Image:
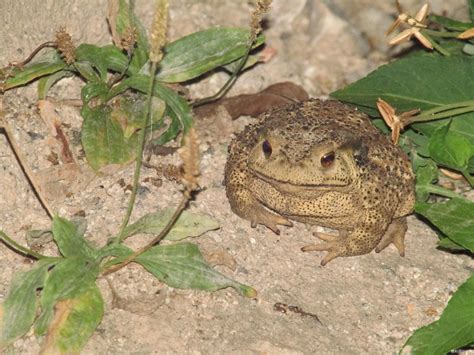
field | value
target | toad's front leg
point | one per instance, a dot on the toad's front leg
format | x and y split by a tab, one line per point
362	239
245	205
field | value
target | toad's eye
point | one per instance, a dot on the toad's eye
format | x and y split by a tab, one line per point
267	149
327	159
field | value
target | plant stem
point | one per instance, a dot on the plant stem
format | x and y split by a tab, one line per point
441	34
25	167
138	165
444	114
157	239
441	191
224	89
448	107
435	44
468	177
19	248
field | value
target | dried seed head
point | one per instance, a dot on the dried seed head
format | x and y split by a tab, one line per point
158	31
65	45
129	39
189	154
261	8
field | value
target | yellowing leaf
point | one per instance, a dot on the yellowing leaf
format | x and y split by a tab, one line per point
74	321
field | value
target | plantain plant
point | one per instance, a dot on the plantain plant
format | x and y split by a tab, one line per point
126	97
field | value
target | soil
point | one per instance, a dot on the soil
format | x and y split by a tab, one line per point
367	304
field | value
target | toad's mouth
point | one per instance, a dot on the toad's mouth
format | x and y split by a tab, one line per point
287	186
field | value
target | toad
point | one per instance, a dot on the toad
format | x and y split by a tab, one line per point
322	163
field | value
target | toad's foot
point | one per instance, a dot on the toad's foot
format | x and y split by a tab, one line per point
269	219
395	234
335	246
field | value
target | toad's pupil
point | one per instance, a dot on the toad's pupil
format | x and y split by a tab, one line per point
267	148
327	159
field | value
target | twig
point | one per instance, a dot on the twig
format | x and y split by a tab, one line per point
19	248
35	52
25	168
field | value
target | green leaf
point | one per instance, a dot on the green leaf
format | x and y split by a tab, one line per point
87	71
425	176
32	72
18	311
172	130
126	19
451	24
46	82
182	266
103	138
70	239
200	52
174	101
68	279
105	58
94	89
453	330
453	218
188	224
421	81
75	320
450	149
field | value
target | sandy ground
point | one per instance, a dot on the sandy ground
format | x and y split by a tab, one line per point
365	304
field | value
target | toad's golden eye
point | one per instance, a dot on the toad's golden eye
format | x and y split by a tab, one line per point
328	159
267	149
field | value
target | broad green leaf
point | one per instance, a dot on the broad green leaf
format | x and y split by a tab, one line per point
105	58
75	320
94	89
450	149
454	218
171	131
68	279
451	24
421	81
188	224
46	82
126	19
103	138
182	266
453	330
18	311
200	52
32	72
87	71
174	101
425	176
70	239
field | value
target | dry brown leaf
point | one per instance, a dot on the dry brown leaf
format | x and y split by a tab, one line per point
53	121
254	104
